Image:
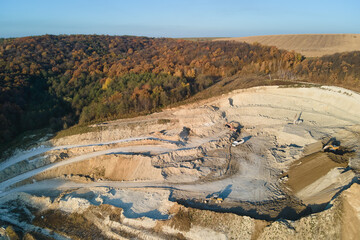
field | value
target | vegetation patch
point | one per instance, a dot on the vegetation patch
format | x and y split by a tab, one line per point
23	141
163	121
11	233
300	85
181	220
74	225
78	129
59	81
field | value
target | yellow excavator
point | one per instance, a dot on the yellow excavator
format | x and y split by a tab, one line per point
331	147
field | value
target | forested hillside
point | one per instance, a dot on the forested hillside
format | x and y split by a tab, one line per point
337	69
60	80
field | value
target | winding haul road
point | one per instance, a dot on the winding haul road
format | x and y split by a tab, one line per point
243	189
265	112
40	150
119	150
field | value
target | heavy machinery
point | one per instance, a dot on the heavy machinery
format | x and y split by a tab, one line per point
234	128
331	147
231	126
213	200
298	119
236	143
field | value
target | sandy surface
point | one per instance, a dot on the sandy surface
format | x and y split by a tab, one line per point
103	212
192	154
310	45
308	169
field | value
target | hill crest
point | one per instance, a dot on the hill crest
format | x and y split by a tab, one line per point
310	45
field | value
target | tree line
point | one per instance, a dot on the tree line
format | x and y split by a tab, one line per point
61	80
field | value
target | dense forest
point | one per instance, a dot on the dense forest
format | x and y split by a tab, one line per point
58	81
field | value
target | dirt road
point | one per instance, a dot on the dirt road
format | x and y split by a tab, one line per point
190	149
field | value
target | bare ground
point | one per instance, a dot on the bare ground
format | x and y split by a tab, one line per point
308	169
193	159
106	221
310	45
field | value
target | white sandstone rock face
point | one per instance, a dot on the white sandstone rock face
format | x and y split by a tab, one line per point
142	165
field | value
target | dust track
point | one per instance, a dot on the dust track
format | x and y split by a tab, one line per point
192	155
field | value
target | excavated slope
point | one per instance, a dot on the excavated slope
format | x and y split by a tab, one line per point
186	155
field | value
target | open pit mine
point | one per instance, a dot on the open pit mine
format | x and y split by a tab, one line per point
277	162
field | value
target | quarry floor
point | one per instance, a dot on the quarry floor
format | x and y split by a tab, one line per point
146	164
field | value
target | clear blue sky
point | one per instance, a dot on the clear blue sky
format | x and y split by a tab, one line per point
175	18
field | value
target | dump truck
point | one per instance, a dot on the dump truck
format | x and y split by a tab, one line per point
237	143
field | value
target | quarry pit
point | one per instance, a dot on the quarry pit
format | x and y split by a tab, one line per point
187	156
